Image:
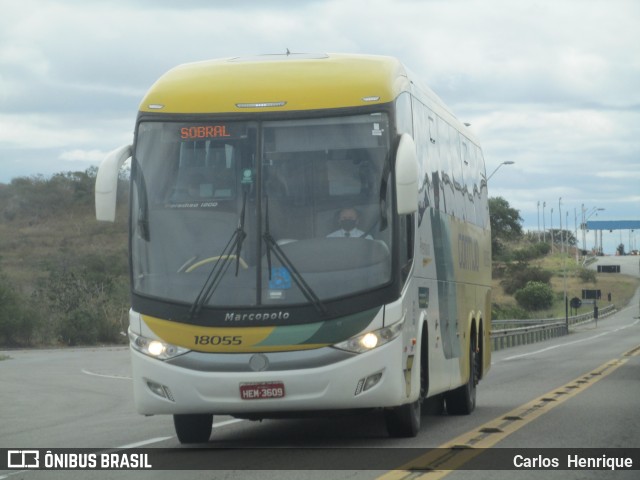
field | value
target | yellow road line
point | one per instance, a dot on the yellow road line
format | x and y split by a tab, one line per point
634	352
451	455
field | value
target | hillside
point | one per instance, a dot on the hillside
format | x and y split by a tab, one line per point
565	273
63	275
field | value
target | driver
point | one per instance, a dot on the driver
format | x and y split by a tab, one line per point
348	221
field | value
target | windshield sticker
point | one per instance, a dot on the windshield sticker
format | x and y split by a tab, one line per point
280	279
377	132
247	176
192	205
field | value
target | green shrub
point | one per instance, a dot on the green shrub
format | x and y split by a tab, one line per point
508	312
19	322
587	275
535	296
531	252
519	274
87	298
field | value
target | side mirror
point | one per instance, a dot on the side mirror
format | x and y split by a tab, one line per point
107	183
406	176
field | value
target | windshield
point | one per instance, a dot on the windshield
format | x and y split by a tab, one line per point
233	214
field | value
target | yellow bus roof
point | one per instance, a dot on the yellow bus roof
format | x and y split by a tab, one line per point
291	82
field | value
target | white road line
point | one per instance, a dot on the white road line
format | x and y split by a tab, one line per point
151	440
162	439
144	442
513	357
228	422
117	377
7	475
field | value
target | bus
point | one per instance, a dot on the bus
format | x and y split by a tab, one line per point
309	234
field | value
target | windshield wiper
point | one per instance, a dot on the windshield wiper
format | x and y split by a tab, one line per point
272	246
222	264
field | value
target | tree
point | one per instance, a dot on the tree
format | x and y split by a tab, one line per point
505	223
562	236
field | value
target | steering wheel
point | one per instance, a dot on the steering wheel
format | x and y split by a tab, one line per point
199	264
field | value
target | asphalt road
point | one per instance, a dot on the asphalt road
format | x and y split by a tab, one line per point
588	381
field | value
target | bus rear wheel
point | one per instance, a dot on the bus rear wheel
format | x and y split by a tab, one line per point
462	400
193	428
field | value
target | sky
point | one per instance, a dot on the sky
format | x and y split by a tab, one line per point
552	85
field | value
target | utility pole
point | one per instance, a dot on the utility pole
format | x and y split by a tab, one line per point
544	229
539	221
575	219
560	217
551	229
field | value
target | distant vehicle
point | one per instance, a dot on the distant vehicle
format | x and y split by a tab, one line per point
242	304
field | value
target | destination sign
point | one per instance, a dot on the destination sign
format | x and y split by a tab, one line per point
204	132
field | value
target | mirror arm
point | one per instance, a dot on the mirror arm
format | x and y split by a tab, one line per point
107	183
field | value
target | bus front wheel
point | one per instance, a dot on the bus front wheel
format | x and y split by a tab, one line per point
403	421
193	428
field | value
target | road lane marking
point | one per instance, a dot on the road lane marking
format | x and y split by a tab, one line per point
144	442
7	475
103	375
162	439
513	357
227	422
451	455
634	352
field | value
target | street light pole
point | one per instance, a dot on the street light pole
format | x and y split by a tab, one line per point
539	221
551	229
507	162
585	218
544	228
575	220
560	217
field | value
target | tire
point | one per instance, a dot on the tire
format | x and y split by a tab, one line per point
194	428
462	400
433	406
403	421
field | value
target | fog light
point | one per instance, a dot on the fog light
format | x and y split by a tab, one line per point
365	384
160	390
372	381
359	387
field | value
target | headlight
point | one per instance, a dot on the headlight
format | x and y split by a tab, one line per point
155	348
370	340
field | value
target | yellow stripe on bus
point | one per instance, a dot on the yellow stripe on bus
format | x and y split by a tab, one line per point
219	339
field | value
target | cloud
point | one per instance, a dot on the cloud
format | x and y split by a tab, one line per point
549	85
84	156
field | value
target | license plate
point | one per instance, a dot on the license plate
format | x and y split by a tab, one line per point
260	391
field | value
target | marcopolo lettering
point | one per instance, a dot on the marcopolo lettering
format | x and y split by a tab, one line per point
255	316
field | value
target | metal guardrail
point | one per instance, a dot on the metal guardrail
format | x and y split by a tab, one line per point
523	332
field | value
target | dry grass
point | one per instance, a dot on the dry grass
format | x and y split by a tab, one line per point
28	249
621	287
